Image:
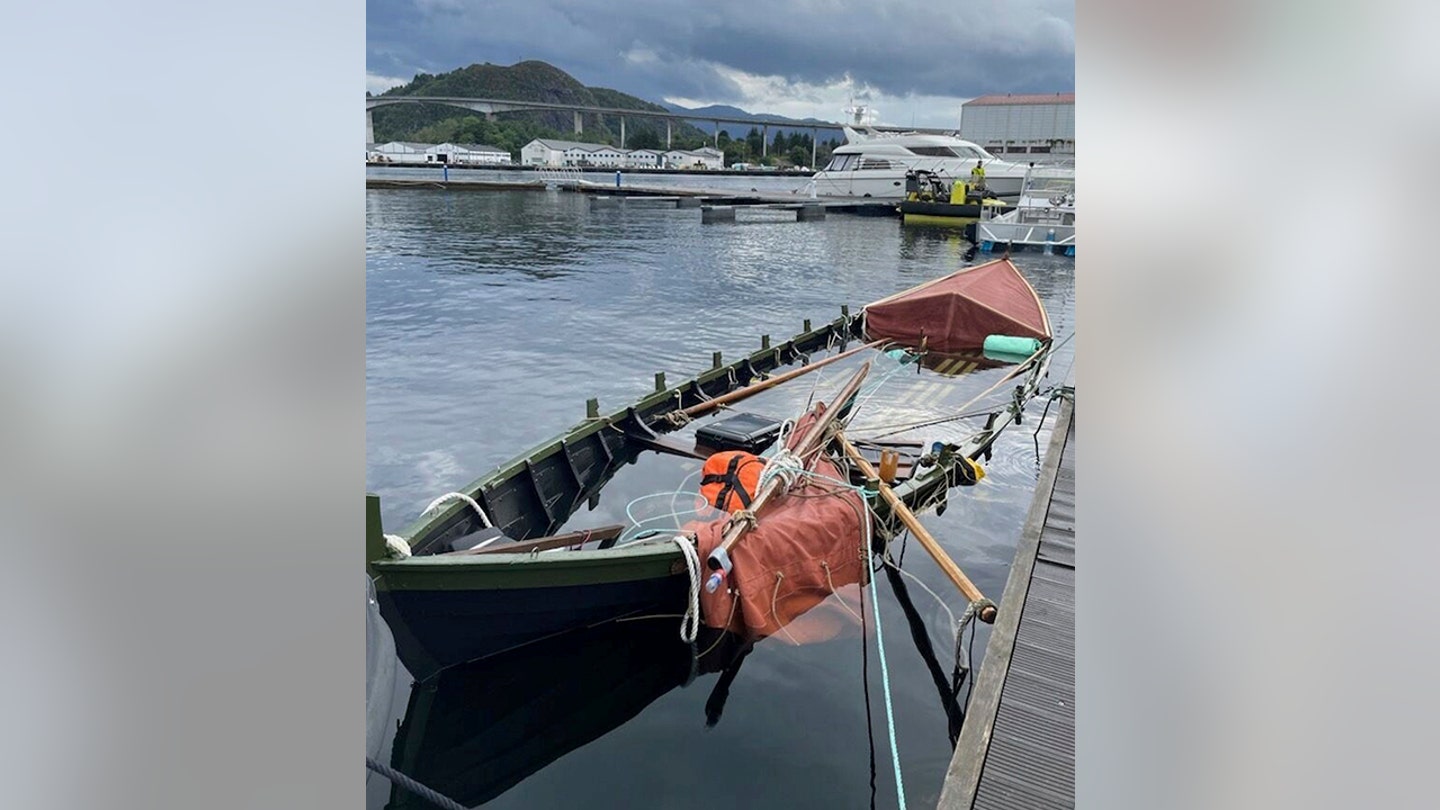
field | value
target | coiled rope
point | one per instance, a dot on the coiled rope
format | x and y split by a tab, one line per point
399	548
396	545
690	622
428	794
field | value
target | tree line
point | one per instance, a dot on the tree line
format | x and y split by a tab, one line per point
510	134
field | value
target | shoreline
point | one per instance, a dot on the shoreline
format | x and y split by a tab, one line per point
511	167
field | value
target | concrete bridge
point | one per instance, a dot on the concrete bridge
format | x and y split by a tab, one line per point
490	106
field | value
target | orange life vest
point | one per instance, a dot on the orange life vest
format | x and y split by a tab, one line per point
728	480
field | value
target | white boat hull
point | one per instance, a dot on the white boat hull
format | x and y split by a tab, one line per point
1022	233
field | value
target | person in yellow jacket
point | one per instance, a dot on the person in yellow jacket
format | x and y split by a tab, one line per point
977	176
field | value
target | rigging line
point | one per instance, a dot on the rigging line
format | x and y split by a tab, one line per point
920	634
1028	365
885	682
865	683
927	422
887	561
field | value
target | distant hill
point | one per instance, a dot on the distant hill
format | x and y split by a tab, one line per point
802	125
524	81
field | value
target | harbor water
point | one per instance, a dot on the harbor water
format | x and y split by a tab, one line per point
492	316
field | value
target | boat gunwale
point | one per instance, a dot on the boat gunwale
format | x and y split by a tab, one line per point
936	477
846	327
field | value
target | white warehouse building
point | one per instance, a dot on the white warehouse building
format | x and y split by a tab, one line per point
705	157
1032	123
470	154
407	152
547	152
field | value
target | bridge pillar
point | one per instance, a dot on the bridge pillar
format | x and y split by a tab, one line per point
814	148
622	132
667	133
764	140
717	133
369	127
578	128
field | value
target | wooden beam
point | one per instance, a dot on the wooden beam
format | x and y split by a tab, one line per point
711	404
972	593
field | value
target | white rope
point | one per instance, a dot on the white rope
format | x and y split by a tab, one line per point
690	623
397	546
459	496
784	465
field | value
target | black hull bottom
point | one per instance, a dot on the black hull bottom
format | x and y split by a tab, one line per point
438	629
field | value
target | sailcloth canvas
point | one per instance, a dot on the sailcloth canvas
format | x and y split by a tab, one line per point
956	312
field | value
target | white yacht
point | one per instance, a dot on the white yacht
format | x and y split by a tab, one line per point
873	164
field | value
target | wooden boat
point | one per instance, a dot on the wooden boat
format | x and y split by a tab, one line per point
449	603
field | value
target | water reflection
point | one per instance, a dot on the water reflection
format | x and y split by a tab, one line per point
476	730
927	243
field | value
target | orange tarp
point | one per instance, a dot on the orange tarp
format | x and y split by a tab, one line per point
807	543
956	313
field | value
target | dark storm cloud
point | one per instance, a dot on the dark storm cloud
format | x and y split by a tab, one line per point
656	49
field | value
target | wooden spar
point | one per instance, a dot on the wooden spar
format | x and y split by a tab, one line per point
712	404
986	613
719	558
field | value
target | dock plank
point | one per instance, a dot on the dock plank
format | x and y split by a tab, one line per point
1017	747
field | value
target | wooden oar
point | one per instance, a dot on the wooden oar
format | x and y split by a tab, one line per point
987	613
711	404
719	559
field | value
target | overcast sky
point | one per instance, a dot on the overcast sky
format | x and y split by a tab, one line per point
913	62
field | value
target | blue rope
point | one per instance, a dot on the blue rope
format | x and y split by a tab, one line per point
885	681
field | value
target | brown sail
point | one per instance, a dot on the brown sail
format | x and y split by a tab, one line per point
956	312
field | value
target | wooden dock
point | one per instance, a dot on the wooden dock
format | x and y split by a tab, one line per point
1017	746
716	204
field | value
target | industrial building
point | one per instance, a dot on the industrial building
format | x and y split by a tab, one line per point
1032	123
468	154
409	153
548	152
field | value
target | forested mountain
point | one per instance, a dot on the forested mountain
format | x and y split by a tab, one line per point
523	81
541	81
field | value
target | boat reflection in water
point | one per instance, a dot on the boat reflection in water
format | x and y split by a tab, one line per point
476	730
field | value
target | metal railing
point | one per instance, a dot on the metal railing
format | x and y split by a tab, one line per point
558	177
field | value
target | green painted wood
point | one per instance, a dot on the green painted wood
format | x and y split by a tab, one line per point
523	571
374	531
